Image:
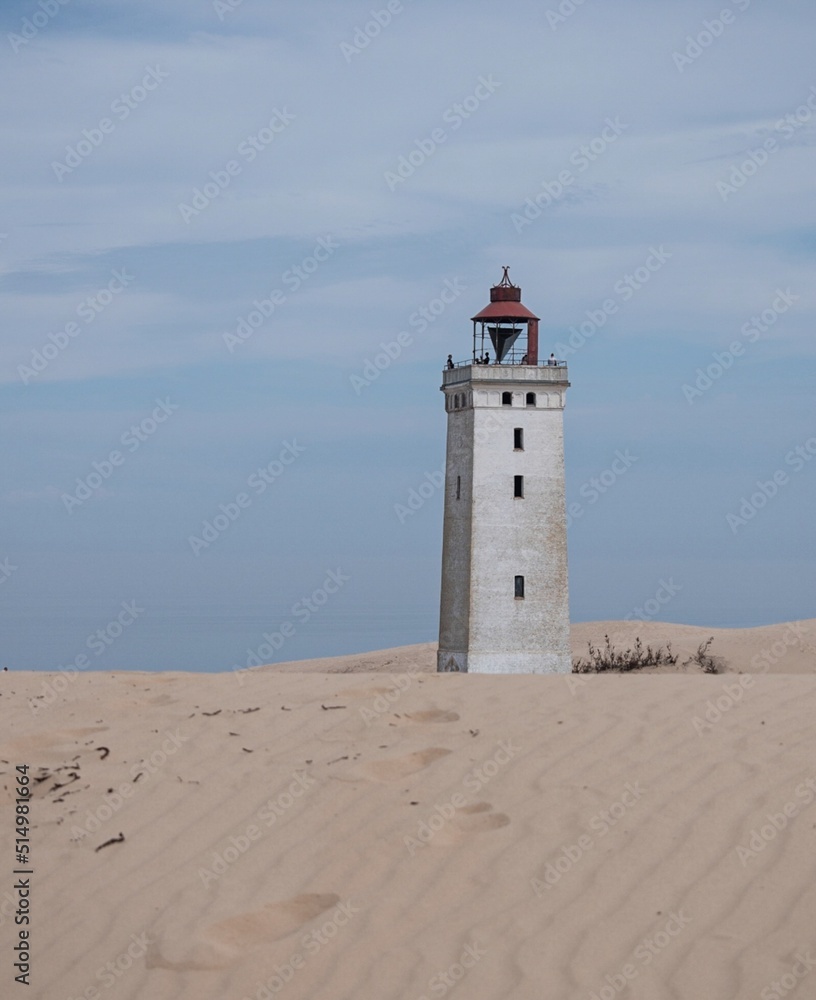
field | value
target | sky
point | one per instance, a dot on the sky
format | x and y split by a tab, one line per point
219	217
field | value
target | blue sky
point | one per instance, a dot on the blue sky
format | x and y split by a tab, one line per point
645	168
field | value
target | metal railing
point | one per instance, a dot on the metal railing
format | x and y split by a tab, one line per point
510	359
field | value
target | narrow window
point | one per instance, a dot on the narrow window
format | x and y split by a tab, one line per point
518	438
518	486
519	588
531	400
507	399
458	487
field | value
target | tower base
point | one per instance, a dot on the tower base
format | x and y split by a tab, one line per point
448	661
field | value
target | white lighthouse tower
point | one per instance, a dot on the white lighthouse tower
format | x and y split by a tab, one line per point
504	606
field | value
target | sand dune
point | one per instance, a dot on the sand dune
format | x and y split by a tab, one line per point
398	836
788	648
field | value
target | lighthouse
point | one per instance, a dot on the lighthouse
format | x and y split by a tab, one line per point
504	604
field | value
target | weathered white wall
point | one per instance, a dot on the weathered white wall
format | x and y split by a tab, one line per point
454	617
490	536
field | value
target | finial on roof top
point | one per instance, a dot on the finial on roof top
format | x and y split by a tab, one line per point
506	282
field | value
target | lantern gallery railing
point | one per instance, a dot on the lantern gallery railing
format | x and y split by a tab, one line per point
513	358
470	371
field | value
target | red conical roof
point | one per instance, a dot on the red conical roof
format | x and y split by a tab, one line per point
505	304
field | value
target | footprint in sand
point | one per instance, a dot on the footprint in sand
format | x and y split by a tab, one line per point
433	715
223	943
401	767
161	699
477	818
274	921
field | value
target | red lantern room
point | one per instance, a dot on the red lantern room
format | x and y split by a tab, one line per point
511	328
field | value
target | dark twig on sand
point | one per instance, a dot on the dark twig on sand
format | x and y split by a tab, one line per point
113	840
